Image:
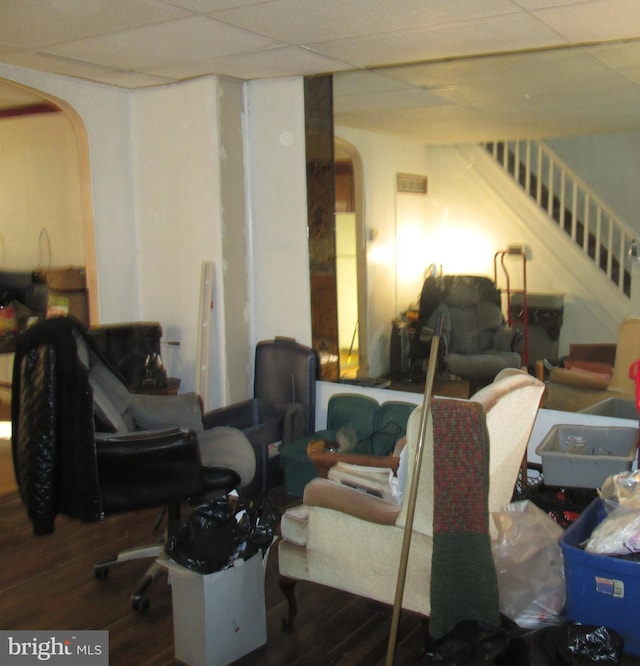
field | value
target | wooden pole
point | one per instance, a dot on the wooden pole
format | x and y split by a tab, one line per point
413	492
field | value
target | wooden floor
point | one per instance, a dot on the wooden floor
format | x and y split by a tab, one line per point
48	583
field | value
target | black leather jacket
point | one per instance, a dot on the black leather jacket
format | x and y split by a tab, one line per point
53	440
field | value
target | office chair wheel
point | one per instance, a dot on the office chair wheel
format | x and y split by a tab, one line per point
139	599
101	572
140	604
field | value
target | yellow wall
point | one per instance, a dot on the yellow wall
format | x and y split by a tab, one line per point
39	193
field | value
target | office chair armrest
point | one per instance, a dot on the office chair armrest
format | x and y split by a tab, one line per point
148	468
151	412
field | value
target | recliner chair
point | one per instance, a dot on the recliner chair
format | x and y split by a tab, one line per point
85	446
475	343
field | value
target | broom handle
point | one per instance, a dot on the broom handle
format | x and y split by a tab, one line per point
413	492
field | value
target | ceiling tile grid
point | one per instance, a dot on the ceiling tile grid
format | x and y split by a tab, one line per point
509	59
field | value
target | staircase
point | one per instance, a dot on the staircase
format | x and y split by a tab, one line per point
571	204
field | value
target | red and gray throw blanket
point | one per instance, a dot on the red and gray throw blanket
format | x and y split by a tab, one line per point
463	575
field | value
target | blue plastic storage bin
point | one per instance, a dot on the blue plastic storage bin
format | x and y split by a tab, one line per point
601	590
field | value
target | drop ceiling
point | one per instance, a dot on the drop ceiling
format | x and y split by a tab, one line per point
477	70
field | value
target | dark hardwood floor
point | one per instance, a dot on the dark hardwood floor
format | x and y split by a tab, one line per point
48	583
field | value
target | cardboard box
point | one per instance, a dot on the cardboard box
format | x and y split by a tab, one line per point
218	617
68	278
580	456
601	590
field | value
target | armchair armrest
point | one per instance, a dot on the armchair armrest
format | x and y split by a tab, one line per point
148	468
329	495
506	339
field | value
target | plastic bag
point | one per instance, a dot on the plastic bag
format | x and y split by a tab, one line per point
220	532
529	565
475	644
620	488
619	532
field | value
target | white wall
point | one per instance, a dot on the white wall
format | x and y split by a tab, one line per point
236	269
178	220
609	163
278	210
155	160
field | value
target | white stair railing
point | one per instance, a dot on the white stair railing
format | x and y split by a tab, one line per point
571	203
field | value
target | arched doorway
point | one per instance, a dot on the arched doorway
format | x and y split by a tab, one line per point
351	262
46	215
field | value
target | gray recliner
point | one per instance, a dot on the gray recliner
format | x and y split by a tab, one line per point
475	343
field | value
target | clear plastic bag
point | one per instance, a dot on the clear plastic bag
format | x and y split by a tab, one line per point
620	488
619	533
529	565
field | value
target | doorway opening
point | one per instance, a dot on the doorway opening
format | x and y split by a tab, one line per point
346	270
351	269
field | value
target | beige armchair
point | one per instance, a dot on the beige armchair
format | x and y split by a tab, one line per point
352	541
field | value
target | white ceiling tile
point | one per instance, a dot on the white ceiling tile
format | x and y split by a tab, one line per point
133	80
275	62
186	40
35	23
55	65
498	33
397	99
540	4
361	82
624	58
539	92
292	21
207	6
596	20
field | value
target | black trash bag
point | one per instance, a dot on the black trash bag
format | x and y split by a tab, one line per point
220	532
473	643
586	645
469	643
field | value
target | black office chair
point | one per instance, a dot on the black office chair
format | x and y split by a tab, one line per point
85	446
